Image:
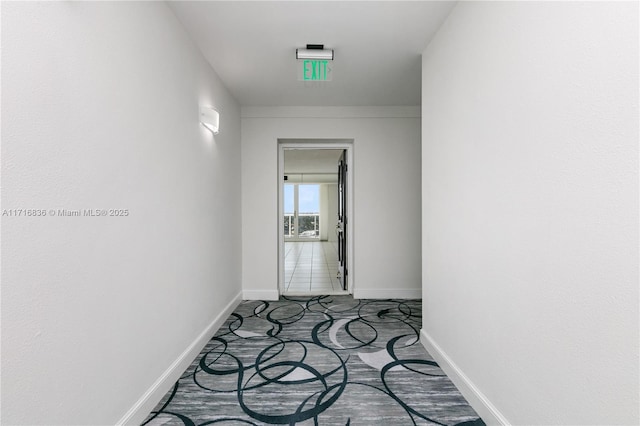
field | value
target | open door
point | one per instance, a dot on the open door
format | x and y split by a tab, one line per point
341	227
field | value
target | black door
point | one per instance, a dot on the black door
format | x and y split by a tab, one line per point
341	227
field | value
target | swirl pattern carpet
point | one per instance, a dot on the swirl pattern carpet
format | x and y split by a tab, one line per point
325	360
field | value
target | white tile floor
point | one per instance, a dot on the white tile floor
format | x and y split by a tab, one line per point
311	266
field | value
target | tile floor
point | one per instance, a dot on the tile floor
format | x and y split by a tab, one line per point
311	266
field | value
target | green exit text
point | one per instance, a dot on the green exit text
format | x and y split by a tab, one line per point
315	70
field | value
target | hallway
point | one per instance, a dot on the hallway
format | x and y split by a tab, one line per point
492	183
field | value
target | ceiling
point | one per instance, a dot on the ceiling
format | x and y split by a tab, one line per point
251	45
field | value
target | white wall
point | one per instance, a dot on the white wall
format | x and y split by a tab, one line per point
328	211
530	208
386	171
100	111
332	209
324	212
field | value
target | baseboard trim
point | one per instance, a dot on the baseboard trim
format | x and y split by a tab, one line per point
489	413
154	394
260	294
387	293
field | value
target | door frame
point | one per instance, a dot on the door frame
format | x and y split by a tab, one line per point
346	144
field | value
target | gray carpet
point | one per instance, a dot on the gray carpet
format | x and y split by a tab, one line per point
326	360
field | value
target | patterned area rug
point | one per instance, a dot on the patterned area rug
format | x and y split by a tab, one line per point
326	360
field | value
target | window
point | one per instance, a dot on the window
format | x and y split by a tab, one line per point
302	211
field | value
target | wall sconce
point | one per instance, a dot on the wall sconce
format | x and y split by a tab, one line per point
210	119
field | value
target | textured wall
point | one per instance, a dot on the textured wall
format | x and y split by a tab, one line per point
530	206
100	111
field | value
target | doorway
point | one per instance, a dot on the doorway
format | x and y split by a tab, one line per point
314	200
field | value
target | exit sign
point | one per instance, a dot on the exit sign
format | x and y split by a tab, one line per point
315	70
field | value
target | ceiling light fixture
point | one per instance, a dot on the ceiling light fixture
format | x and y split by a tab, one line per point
315	51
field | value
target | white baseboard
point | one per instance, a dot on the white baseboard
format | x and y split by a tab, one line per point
387	293
485	409
154	394
260	294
